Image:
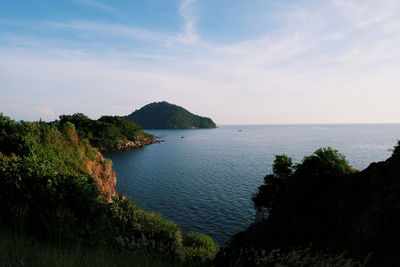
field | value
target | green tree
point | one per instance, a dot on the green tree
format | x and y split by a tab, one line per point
289	181
324	162
274	184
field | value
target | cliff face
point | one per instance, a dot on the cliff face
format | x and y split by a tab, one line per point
377	228
103	175
102	172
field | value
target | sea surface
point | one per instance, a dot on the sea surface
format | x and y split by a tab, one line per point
203	179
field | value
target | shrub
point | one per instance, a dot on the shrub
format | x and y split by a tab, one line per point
199	248
396	149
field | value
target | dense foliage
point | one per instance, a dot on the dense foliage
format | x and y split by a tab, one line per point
47	191
289	182
108	132
296	206
327	207
199	247
163	115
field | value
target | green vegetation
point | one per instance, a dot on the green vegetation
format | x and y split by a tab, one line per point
314	210
199	248
19	250
163	115
43	145
108	132
291	258
289	180
47	191
302	205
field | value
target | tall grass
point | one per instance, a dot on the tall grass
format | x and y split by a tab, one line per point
245	257
19	250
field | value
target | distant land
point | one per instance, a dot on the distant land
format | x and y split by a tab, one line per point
163	115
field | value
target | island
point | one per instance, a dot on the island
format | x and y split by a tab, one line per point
163	115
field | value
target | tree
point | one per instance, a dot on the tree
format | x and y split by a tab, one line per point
291	183
324	162
274	184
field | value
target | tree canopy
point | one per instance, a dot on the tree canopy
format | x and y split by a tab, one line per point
106	133
288	178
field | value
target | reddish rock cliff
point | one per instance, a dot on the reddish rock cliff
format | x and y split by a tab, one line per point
102	172
103	175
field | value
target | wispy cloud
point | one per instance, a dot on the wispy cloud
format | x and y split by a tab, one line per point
99	5
189	20
108	29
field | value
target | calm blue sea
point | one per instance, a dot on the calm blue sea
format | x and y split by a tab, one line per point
203	179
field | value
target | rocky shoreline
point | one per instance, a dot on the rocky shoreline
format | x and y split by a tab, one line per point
134	144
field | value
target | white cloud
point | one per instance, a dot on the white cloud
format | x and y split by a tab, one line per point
189	20
29	112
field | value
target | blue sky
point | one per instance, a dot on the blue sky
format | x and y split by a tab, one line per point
238	62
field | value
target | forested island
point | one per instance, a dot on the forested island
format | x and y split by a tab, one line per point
163	115
58	202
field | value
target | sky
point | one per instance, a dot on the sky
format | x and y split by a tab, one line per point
238	62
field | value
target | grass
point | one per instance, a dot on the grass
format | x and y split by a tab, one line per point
295	258
18	250
307	258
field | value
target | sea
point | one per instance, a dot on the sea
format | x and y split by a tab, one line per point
203	179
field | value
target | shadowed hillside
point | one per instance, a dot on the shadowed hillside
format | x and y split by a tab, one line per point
323	204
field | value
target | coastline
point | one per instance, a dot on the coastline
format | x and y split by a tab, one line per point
133	144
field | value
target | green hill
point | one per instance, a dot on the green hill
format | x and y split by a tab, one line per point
163	115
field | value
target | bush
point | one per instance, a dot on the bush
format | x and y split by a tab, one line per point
199	248
396	149
293	182
130	227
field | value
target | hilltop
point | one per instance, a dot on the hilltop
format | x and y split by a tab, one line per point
163	115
